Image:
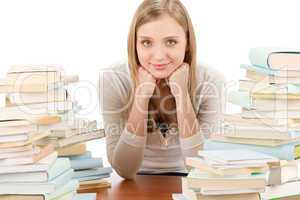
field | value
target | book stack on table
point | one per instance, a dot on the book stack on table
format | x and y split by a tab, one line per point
35	102
40	91
226	174
269	118
90	172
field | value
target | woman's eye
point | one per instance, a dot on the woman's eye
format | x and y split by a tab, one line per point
146	43
171	43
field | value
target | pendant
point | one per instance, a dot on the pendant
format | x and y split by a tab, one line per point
164	139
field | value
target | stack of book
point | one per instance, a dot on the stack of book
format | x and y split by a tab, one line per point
69	133
27	170
226	174
89	171
269	120
39	94
49	178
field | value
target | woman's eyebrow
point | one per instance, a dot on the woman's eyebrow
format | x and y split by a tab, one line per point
144	37
168	37
172	37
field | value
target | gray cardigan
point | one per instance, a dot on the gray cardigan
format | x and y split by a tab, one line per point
128	153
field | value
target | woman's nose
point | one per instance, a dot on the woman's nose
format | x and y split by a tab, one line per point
159	53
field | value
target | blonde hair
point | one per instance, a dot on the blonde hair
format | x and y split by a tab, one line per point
151	10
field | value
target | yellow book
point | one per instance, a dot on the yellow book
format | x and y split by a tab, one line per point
72	150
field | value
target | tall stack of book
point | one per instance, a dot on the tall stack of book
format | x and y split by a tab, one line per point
269	120
29	171
69	134
226	174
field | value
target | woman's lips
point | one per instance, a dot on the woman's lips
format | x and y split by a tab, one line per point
160	66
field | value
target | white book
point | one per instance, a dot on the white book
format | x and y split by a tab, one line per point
34	78
59	94
270	114
7	87
70	127
42	165
235	156
36	156
280	191
261	132
61	192
228	192
15	130
29	152
34	68
35	110
179	196
32	140
14	123
81	137
201	164
17	149
61	165
16	138
37	188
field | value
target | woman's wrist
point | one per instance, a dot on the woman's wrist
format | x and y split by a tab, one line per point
181	99
142	98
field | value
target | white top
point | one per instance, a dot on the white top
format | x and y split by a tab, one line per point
129	153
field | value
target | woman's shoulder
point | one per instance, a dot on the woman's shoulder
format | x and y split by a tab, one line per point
117	73
118	70
117	76
207	73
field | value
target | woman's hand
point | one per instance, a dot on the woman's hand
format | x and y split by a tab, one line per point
146	83
178	81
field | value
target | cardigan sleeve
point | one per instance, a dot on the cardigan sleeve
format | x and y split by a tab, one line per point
211	98
125	150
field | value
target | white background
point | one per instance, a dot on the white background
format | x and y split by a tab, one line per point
84	36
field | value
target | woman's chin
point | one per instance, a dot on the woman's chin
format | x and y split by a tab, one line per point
160	75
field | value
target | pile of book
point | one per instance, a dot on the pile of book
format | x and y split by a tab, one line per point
226	174
27	170
68	133
269	120
89	171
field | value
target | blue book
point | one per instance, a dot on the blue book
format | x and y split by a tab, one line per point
72	185
92	172
275	58
96	177
285	152
37	188
88	196
61	165
279	103
86	163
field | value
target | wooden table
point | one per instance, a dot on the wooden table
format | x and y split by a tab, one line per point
143	187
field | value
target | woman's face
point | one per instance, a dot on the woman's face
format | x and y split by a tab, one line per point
161	46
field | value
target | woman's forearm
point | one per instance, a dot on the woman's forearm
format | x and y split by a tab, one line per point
128	154
137	120
188	124
129	151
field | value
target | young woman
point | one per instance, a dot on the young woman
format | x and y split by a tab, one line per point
160	106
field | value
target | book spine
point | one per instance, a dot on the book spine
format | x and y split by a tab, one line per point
285	152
